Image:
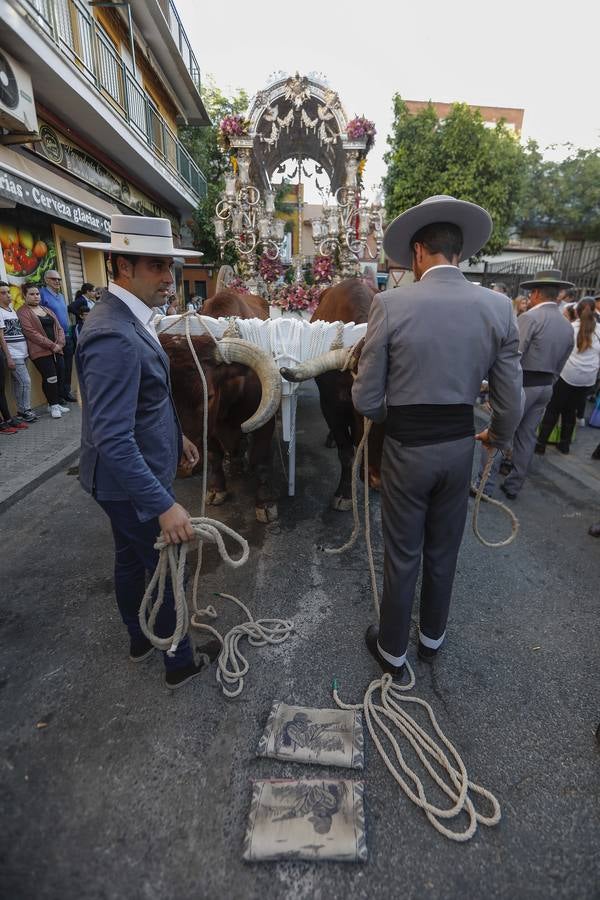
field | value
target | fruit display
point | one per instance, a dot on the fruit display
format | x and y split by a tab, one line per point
26	257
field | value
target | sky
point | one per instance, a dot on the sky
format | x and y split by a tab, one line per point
542	57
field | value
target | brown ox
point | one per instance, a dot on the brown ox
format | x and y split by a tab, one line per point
244	383
348	301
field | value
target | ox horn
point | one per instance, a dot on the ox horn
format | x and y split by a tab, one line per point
235	350
327	362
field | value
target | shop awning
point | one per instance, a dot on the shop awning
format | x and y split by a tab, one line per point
25	182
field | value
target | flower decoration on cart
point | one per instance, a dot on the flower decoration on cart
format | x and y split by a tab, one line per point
269	269
233	126
323	269
360	128
297	297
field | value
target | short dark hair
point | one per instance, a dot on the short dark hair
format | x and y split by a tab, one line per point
550	293
133	258
571	293
439	237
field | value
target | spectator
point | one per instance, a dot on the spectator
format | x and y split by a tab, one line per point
567	297
14	349
500	288
85	299
520	304
84	313
52	299
576	379
45	341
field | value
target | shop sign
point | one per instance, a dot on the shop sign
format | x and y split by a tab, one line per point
20	190
61	151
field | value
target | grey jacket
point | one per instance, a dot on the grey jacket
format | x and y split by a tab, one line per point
433	342
546	339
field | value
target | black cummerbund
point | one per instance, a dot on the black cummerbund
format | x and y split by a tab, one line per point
429	423
536	379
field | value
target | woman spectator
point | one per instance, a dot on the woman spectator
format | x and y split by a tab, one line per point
519	304
14	354
45	341
576	379
85	298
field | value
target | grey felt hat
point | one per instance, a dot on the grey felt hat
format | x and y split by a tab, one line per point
141	236
546	278
474	222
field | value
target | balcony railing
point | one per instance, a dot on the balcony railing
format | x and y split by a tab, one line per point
181	39
83	40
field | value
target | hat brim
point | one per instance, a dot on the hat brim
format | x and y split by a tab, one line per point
109	248
530	285
474	222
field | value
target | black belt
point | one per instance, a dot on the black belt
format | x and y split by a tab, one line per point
419	424
536	379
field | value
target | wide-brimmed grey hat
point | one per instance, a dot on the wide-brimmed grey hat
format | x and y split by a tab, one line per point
141	236
474	222
546	278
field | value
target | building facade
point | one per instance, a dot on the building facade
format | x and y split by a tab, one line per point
92	96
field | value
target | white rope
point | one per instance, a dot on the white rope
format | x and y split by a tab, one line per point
387	715
232	665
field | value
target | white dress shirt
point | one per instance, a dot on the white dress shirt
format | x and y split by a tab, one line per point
143	313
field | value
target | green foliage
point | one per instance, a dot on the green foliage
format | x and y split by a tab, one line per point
562	199
457	156
203	146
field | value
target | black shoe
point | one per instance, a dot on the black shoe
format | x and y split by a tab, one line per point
540	449
208	652
28	416
69	399
427	654
596	453
508	493
563	448
371	636
594	530
140	649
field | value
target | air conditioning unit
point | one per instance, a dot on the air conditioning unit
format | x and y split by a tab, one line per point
17	108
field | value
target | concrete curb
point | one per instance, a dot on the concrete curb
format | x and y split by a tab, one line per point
67	455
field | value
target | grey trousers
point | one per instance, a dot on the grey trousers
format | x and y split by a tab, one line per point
424	496
21	383
536	400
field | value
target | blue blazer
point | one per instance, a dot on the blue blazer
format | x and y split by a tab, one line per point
131	439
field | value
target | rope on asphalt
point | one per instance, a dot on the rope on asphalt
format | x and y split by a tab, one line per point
388	715
232	666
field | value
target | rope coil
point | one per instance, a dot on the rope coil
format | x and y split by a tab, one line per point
387	715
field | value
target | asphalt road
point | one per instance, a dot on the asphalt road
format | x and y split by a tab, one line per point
112	787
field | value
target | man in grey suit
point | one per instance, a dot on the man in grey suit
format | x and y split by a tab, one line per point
131	440
428	347
545	342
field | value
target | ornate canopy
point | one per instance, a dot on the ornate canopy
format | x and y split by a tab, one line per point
298	115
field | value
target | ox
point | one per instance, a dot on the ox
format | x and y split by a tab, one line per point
348	301
244	391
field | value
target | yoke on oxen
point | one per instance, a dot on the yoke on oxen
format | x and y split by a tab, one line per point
288	342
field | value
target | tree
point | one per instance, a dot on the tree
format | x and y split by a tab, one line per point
203	146
459	156
562	199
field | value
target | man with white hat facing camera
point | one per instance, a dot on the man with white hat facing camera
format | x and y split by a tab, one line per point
427	349
131	440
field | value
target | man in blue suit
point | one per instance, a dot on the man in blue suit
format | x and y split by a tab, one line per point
131	441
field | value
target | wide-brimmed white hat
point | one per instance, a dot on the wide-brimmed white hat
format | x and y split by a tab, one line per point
474	221
140	235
